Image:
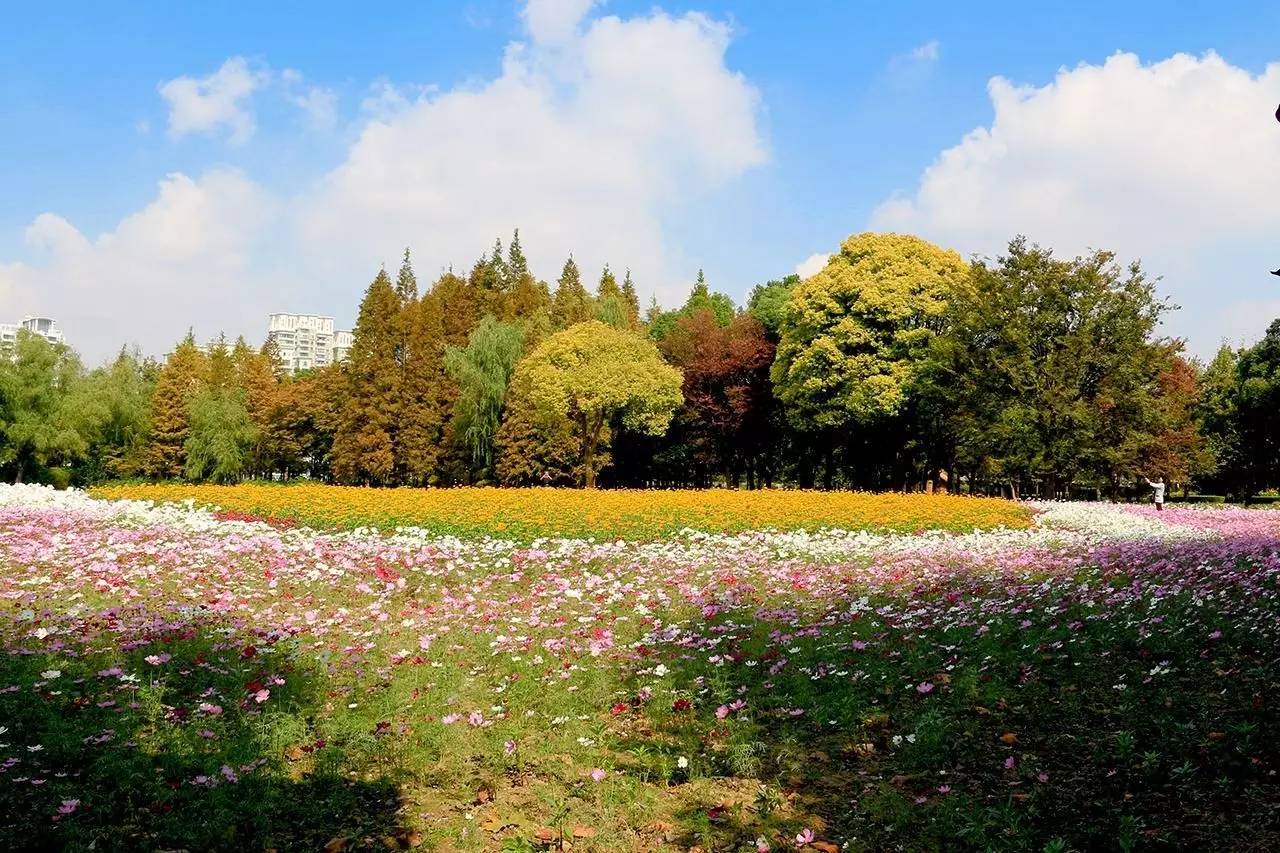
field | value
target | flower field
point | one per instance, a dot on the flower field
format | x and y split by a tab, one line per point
1098	677
526	514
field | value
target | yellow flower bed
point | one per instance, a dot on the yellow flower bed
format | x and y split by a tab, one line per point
606	514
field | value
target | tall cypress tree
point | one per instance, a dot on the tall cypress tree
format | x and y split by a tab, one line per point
183	374
608	285
363	449
423	396
572	303
406	281
256	378
632	298
517	265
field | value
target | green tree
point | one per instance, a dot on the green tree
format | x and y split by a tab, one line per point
1050	368
700	299
221	435
591	374
185	372
1217	412
535	449
482	371
38	429
854	335
120	395
768	303
363	449
1258	412
572	303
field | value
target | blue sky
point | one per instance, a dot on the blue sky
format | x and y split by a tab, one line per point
740	137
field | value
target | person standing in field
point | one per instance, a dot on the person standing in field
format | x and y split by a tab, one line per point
1158	492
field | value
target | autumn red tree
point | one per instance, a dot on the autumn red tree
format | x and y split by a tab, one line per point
727	395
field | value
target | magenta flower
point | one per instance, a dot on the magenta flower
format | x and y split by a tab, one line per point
924	687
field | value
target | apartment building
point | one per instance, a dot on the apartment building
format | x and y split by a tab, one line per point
45	327
305	341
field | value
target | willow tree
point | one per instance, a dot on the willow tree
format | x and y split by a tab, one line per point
594	374
482	371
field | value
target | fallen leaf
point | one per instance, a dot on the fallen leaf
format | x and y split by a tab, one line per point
824	847
545	835
336	845
583	832
294	753
1217	735
409	838
1009	738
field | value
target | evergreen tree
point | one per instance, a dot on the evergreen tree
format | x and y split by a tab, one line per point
406	281
184	373
363	449
256	377
572	303
517	265
423	397
608	285
632	298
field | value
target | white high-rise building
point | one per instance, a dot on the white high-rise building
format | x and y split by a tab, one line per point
45	327
305	341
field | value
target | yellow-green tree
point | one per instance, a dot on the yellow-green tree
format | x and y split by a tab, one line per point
855	335
593	374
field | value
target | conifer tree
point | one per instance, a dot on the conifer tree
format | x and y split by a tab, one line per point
222	368
406	281
608	285
632	298
572	303
363	449
517	265
183	374
256	377
423	397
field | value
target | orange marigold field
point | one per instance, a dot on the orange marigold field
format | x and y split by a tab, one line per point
605	514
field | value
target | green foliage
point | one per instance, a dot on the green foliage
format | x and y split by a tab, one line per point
482	371
700	299
572	302
1049	367
43	419
591	374
1258	411
220	437
768	303
854	336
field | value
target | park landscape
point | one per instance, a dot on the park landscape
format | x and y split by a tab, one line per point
341	668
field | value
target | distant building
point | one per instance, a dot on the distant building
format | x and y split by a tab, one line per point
42	326
305	341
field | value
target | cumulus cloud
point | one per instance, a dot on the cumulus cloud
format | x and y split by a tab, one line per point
183	260
593	132
1176	162
206	104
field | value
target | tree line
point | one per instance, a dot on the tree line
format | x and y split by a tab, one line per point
899	365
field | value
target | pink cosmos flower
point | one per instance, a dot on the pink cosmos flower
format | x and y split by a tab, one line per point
804	837
598	775
262	695
68	806
156	660
1009	763
722	712
924	687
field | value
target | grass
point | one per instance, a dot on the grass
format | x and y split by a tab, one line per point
996	693
526	514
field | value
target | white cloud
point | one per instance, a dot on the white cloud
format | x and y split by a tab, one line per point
318	103
812	264
927	52
591	132
554	21
1176	162
205	104
183	260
